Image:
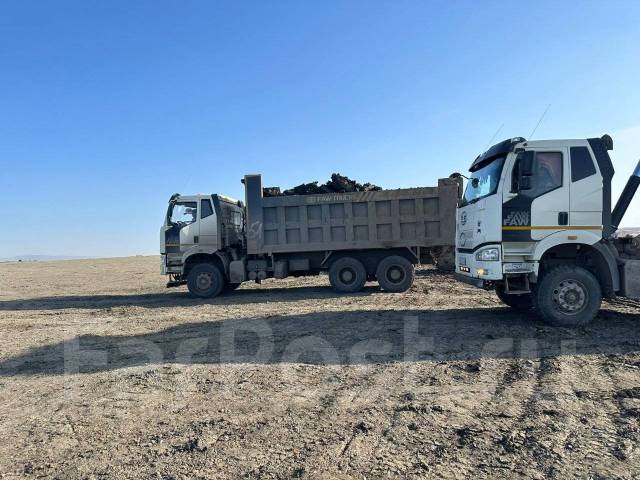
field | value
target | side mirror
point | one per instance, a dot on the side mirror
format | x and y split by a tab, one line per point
525	183
525	170
526	163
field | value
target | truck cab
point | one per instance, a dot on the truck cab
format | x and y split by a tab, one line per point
536	224
199	229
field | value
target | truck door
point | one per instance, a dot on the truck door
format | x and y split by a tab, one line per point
190	232
183	229
587	200
540	206
208	224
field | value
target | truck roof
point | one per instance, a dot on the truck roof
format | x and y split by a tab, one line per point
224	198
511	144
199	196
555	143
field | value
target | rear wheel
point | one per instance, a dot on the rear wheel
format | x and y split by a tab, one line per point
347	275
395	274
444	258
205	280
517	302
568	296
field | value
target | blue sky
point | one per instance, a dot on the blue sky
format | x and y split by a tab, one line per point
110	107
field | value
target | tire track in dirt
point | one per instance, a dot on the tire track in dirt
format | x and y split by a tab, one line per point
554	431
356	416
624	396
350	411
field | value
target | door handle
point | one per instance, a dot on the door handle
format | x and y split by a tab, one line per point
195	239
563	218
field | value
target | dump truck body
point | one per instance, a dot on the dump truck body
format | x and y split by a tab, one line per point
402	218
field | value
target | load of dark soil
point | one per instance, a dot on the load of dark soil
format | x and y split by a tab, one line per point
337	184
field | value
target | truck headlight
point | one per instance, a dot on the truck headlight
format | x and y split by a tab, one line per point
488	255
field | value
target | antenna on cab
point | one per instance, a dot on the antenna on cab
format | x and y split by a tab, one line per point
494	136
539	121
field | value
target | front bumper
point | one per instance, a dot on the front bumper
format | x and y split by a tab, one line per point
475	282
476	271
168	265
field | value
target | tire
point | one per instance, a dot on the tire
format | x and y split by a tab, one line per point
568	296
347	275
395	274
205	280
446	262
522	302
444	258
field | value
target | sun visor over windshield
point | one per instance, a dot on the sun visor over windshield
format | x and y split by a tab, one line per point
497	150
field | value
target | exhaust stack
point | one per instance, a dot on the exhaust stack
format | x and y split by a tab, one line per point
625	199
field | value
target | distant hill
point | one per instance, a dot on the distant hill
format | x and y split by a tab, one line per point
628	231
41	258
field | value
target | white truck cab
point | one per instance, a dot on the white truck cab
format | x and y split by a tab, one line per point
198	227
536	224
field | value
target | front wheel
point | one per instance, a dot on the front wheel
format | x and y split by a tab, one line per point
395	274
522	302
568	296
205	280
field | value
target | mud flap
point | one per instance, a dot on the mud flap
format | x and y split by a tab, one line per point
631	279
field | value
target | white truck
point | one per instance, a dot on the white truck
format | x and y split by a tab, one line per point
536	223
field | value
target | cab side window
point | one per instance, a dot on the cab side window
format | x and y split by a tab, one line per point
581	164
548	173
205	208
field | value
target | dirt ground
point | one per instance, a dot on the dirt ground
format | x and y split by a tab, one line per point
104	373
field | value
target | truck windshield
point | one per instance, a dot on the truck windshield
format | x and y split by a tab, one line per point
484	182
182	213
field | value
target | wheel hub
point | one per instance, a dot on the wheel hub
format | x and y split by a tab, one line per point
347	276
395	274
570	296
203	281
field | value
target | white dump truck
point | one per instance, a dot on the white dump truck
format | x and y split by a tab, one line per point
213	243
536	223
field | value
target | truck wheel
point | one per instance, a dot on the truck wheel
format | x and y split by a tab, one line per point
205	280
444	258
446	263
347	275
517	302
395	274
568	296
